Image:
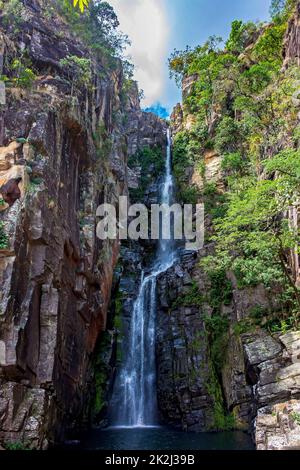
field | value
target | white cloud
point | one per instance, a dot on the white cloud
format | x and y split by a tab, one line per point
146	24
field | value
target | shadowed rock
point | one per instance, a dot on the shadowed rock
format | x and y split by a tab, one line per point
10	191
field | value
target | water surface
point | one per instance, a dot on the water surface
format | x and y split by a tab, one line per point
162	438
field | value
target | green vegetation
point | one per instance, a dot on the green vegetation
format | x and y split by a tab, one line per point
78	70
240	106
222	421
21	73
111	338
103	142
243	89
101	374
82	4
186	154
296	417
12	13
24	75
97	28
3	237
17	445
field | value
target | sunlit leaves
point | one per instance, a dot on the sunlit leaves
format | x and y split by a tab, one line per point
82	4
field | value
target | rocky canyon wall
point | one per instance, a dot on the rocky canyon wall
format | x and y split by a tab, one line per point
215	372
64	146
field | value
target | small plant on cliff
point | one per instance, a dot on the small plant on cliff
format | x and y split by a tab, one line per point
3	237
78	70
281	9
151	162
222	421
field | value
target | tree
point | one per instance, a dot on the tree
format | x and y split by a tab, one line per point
240	36
276	8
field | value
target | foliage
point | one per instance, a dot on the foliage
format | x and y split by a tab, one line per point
78	69
17	445
296	417
234	163
151	161
97	28
12	14
3	237
240	36
192	297
189	195
269	47
253	236
221	288
281	9
186	153
189	61
101	373
227	135
102	141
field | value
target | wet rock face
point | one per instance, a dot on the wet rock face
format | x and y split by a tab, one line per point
55	274
182	348
278	427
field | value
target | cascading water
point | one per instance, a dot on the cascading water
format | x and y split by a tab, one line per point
136	384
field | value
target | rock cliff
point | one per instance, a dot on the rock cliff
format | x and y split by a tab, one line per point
220	366
64	145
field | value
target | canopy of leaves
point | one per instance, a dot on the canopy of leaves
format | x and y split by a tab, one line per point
241	106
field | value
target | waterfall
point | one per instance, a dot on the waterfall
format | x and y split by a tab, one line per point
136	384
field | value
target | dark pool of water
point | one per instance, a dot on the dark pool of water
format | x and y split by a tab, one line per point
162	438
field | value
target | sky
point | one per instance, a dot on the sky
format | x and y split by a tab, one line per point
157	27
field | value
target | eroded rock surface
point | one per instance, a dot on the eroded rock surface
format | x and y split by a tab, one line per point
69	147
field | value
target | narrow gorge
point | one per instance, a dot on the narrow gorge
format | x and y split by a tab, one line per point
193	348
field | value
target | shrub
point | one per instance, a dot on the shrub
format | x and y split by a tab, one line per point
192	297
24	75
78	69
